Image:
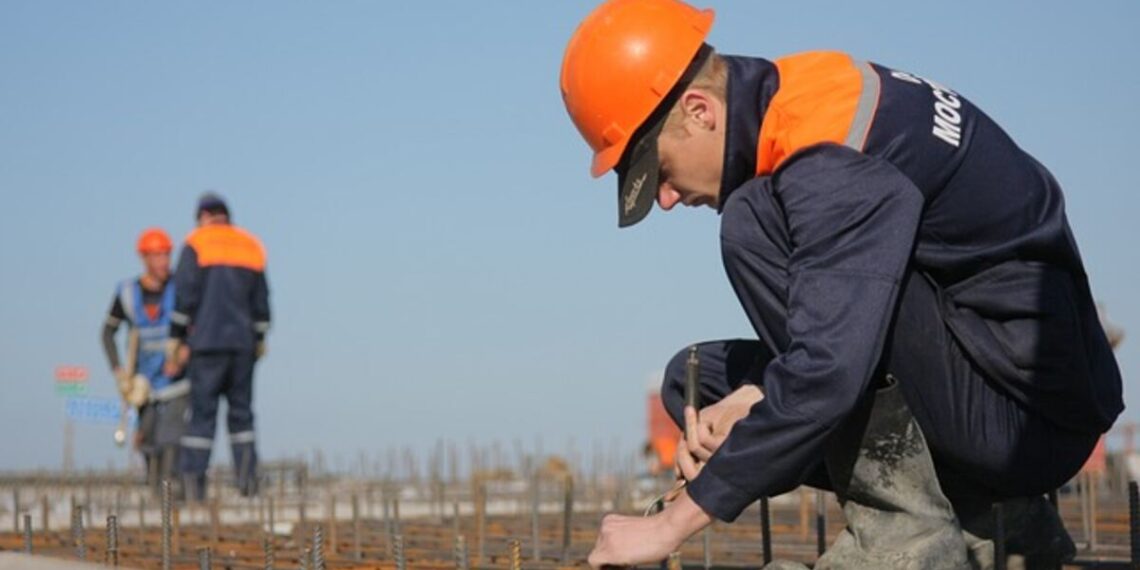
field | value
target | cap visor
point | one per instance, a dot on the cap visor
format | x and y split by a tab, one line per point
637	179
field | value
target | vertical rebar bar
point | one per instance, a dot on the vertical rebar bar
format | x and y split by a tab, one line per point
332	538
215	521
567	517
1134	523
303	482
167	534
389	526
455	517
318	548
515	548
15	509
765	530
480	522
45	514
357	552
303	560
820	523
27	534
999	537
1093	499
460	553
401	561
205	561
1086	508
272	515
536	496
113	541
80	534
142	519
268	549
692	379
87	510
674	561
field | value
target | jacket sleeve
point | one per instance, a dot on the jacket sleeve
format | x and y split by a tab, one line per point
260	304
115	316
851	224
187	292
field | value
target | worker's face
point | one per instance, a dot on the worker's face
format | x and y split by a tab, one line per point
157	265
691	152
211	219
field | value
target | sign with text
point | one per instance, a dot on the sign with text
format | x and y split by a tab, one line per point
94	410
70	373
70	380
71	388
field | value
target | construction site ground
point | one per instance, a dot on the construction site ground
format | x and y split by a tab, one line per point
349	523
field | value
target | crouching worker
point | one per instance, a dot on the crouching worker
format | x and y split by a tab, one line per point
927	344
144	380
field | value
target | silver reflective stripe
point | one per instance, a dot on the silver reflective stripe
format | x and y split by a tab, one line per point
865	108
154	346
197	442
242	437
179	318
179	388
127	300
261	326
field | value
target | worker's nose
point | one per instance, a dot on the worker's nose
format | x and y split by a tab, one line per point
667	196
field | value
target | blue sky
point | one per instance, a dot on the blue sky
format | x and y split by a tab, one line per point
441	264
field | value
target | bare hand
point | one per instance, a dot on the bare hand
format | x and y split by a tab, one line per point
705	433
173	366
627	541
687	465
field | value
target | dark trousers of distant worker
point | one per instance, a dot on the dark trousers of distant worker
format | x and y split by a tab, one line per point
986	446
214	374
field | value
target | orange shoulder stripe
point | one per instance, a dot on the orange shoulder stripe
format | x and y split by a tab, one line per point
823	97
227	245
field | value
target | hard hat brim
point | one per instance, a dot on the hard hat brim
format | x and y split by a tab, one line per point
639	176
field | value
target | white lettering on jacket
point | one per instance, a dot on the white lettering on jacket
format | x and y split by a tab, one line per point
947	118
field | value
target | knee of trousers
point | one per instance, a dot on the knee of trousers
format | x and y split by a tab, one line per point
673	386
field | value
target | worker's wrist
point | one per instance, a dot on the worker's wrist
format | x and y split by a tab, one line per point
684	517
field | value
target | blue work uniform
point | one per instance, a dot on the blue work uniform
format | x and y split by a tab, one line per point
162	419
875	222
222	313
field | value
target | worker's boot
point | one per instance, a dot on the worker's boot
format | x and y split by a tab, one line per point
897	516
1035	537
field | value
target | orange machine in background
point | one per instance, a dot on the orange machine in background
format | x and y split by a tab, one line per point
663	436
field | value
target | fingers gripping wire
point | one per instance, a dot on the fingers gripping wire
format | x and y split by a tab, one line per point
693	399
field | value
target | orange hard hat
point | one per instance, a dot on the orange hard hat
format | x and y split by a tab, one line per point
620	64
154	240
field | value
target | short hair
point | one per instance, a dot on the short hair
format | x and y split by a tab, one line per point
712	78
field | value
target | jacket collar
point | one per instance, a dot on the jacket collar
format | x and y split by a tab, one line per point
752	82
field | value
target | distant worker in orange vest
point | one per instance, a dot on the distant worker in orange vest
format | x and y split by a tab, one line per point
926	340
221	316
145	305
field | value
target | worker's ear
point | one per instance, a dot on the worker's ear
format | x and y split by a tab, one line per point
699	109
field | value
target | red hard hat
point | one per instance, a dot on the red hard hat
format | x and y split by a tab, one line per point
154	240
620	64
